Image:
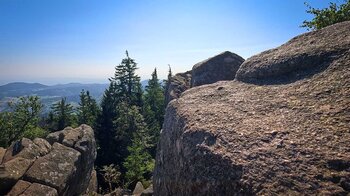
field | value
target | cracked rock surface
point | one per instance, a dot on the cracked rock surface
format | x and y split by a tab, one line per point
60	165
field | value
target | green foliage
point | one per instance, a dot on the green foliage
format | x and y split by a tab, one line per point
127	82
34	132
327	16
154	109
129	123
167	81
111	175
21	121
104	131
139	163
113	129
63	114
88	109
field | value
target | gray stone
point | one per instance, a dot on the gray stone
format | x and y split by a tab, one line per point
301	57
19	188
13	170
148	191
93	184
178	84
2	154
238	138
56	169
220	67
138	189
39	189
86	145
44	146
24	148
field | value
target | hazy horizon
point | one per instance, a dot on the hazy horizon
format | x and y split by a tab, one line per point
65	41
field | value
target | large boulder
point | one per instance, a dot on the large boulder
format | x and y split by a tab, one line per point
237	138
302	56
39	189
61	165
57	169
220	67
177	84
27	149
19	188
13	171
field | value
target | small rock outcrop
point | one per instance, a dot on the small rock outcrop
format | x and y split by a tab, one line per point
63	164
138	189
218	68
244	137
178	84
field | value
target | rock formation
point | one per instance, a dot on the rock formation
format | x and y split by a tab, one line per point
177	85
281	128
61	165
220	67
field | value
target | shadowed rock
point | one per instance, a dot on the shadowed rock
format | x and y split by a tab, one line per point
218	68
178	84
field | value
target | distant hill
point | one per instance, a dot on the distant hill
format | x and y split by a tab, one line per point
50	94
19	89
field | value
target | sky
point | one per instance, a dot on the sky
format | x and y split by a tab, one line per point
62	41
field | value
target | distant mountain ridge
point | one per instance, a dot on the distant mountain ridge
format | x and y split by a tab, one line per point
50	94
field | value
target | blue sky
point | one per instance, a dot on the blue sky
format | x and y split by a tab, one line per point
60	41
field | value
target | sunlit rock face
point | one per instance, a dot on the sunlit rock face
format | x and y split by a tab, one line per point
280	128
63	164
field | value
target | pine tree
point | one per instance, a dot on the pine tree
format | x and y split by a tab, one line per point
168	80
63	114
127	82
87	110
154	108
105	129
139	164
125	89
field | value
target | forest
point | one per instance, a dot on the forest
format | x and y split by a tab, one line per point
127	124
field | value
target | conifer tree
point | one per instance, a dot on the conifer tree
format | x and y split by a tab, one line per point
139	163
127	82
105	129
88	109
63	114
113	131
154	108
